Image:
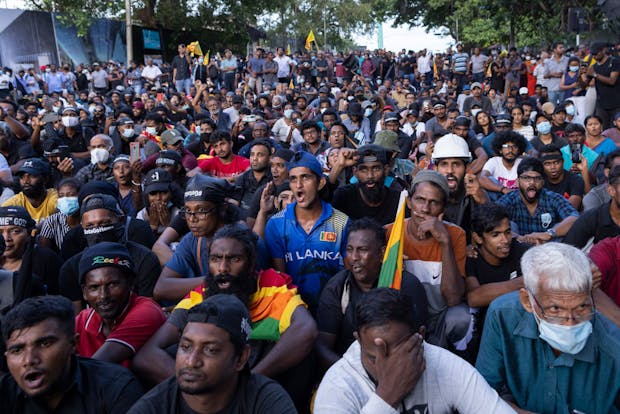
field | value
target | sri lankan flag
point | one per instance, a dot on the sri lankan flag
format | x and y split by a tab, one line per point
392	268
271	306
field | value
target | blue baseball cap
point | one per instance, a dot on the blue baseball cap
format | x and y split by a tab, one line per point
305	159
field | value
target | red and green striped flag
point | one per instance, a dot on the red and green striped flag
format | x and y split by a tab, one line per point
392	268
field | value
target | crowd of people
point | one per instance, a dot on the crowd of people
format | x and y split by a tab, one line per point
206	236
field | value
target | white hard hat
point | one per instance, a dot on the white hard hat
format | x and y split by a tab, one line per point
451	146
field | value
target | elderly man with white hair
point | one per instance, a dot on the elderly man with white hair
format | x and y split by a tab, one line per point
545	349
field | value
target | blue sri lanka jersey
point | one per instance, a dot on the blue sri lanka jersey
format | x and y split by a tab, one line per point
311	258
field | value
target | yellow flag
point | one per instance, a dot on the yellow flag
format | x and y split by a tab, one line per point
291	85
309	40
206	59
194	49
288	49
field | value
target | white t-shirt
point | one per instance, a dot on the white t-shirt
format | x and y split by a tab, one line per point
408	129
506	177
280	132
424	63
448	384
151	72
284	68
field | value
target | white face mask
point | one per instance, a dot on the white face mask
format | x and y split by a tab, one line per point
288	113
128	133
367	112
151	130
475	111
55	109
323	110
70	121
99	155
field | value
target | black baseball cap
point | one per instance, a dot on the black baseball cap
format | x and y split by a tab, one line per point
16	216
34	166
168	157
105	254
226	312
101	201
158	179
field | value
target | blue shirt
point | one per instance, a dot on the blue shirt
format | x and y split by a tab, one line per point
589	154
184	261
552	208
514	360
311	258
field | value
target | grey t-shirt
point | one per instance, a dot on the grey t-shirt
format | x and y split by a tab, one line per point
477	63
552	66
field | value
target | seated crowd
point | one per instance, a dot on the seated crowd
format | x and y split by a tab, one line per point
218	248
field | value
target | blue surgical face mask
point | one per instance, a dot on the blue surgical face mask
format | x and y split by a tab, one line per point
198	129
68	205
544	127
573	68
368	112
570	110
569	339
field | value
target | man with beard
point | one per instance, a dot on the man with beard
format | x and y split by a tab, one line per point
34	197
225	164
369	197
566	183
540	215
103	221
259	173
451	157
435	251
365	250
211	367
277	313
307	240
499	174
118	322
46	375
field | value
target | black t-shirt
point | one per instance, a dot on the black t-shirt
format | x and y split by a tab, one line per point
348	200
255	394
571	185
146	266
74	242
182	67
608	96
332	319
508	269
94	387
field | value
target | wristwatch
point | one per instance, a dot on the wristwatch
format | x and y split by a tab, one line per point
552	233
595	75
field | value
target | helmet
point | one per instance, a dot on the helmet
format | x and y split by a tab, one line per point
451	146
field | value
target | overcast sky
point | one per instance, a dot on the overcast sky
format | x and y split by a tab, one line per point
397	38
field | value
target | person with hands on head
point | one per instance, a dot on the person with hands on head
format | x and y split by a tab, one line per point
391	369
499	174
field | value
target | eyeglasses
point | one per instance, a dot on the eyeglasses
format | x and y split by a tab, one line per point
197	215
580	314
510	146
531	179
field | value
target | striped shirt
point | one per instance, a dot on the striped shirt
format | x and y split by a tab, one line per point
55	227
